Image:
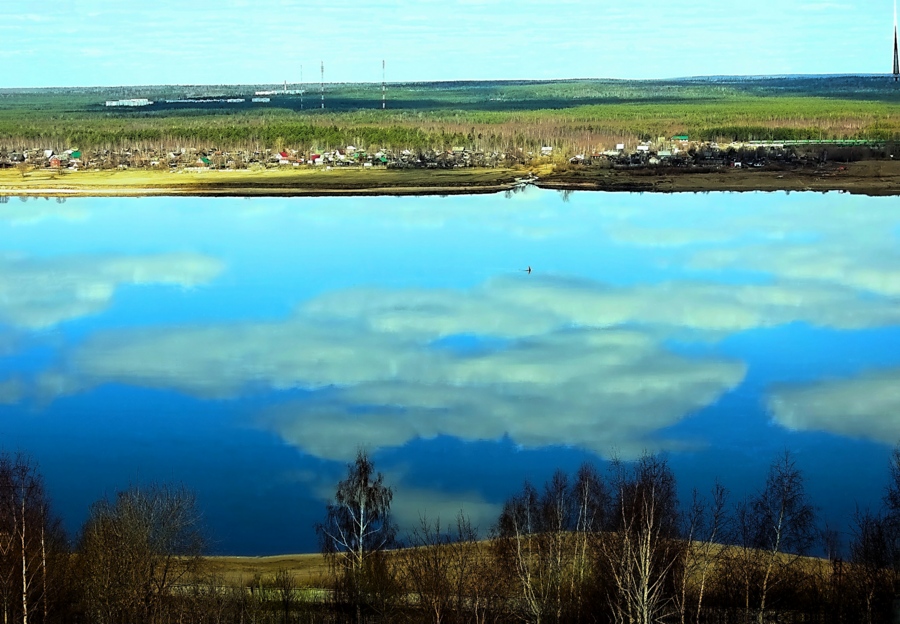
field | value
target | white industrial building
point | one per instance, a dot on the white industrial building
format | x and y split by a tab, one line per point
129	102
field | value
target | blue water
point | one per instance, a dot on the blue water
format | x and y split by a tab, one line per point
247	348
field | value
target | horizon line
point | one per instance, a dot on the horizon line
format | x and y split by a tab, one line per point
459	80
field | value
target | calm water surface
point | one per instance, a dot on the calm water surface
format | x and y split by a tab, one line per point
248	347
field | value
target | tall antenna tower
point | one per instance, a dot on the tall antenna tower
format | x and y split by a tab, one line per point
896	54
301	87
322	84
383	101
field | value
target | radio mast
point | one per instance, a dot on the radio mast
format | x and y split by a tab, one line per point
301	87
896	54
382	86
322	84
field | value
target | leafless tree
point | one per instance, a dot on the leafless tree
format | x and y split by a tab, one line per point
209	600
358	523
704	526
525	546
642	552
874	555
357	531
871	569
546	538
591	501
32	546
781	521
441	567
286	588
892	492
739	577
135	549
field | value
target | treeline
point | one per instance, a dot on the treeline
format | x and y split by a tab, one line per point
618	548
762	133
768	133
571	129
275	135
615	546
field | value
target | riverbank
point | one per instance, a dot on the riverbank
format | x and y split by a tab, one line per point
266	182
868	177
872	177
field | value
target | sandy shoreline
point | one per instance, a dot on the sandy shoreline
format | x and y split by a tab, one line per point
877	178
249	191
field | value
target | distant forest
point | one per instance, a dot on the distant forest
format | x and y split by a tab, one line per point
573	116
614	546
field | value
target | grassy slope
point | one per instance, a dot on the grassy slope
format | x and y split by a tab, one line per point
309	570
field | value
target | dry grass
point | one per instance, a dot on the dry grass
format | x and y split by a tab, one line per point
308	570
297	181
311	570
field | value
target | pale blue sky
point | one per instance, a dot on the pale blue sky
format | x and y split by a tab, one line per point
109	42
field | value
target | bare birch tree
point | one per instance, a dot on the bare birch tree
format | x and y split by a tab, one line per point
358	529
642	552
591	501
546	539
783	521
871	572
704	527
30	541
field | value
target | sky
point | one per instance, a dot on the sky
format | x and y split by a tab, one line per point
109	42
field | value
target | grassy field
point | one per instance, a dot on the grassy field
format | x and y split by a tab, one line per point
311	570
308	570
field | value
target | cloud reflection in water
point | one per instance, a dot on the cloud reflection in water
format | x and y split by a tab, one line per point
564	376
865	406
40	293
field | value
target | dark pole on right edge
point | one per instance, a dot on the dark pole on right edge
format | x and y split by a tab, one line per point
896	55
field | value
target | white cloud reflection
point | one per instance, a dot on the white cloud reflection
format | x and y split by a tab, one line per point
410	505
555	360
510	307
39	293
873	267
866	406
832	240
561	377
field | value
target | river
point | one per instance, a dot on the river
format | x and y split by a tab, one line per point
247	348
